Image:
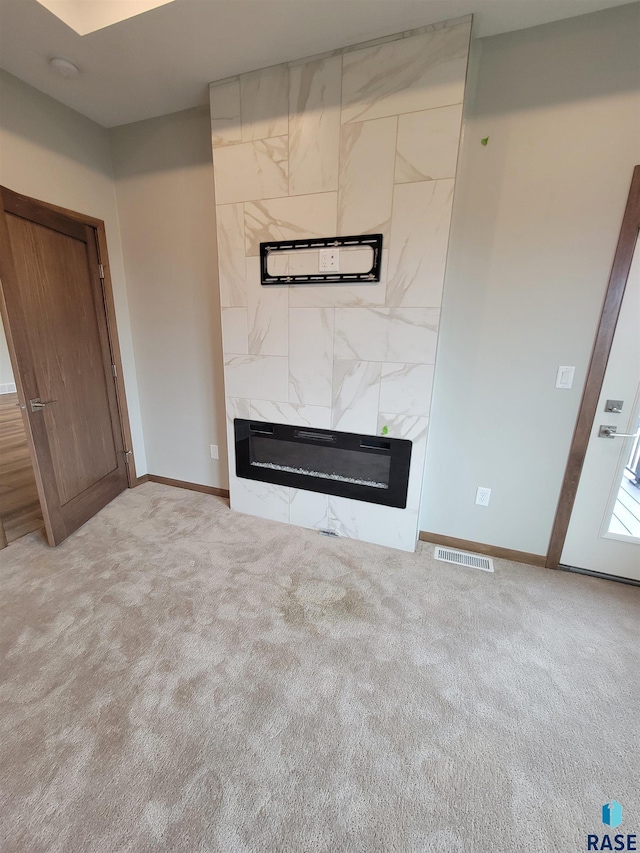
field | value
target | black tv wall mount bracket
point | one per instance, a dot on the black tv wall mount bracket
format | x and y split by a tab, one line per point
282	247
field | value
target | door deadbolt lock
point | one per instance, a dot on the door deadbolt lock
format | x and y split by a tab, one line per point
614	406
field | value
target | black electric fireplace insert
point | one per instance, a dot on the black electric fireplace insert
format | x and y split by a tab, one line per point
363	467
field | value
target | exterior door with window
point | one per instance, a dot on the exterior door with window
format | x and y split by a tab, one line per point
604	530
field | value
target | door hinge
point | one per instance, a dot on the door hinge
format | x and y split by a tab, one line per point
114	370
101	270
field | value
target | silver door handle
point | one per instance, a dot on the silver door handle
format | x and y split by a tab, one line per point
37	405
612	432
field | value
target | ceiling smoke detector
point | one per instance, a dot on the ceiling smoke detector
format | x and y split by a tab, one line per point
63	67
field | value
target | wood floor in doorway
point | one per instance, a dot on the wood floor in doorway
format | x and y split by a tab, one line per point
20	511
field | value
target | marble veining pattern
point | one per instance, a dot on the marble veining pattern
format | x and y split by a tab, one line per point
310	355
261	377
308	509
419	241
231	258
314	126
356	391
264	500
416	161
268	314
367	163
264	99
290	218
235	335
236	408
406	388
358	140
406	75
405	335
252	170
291	414
382	525
225	113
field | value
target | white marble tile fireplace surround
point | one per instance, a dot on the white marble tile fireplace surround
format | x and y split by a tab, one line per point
363	140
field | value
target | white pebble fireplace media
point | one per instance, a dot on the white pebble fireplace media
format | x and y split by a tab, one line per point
362	141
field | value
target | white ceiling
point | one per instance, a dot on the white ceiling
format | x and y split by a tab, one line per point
161	62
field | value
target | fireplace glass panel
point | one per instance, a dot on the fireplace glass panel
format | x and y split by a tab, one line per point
331	463
362	467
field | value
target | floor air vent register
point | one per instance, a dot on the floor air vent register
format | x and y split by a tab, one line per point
362	467
464	558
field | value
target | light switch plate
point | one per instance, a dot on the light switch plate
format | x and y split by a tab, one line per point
564	377
213	448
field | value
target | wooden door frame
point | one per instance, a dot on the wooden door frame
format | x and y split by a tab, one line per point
597	367
97	225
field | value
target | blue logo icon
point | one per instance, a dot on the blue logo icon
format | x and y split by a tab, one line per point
612	814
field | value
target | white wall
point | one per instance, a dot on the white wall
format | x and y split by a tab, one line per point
536	219
50	152
164	184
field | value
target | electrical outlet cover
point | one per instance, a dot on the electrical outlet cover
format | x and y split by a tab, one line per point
483	496
329	260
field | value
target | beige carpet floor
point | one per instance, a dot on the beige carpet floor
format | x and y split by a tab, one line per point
177	677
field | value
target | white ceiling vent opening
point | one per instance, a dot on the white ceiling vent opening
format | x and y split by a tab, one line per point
463	558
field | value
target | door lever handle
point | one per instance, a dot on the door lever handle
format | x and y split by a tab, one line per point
612	432
37	405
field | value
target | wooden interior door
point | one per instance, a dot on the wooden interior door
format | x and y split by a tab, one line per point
56	323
